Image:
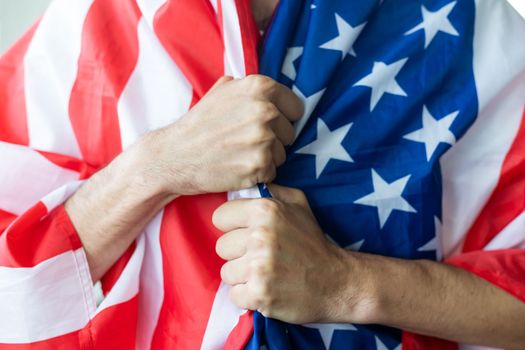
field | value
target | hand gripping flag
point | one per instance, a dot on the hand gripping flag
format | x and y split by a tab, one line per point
411	146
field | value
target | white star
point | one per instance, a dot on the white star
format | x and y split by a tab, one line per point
292	54
327	330
345	39
383	80
328	145
355	246
387	197
434	22
434	244
310	103
434	132
381	346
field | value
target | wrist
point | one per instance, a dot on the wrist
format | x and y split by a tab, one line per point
360	300
136	169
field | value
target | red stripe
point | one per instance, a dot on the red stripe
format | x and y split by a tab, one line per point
241	334
13	115
190	34
503	268
507	201
413	341
191	271
35	237
250	36
111	277
6	219
67	162
113	328
108	56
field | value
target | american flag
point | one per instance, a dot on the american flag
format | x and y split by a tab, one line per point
411	146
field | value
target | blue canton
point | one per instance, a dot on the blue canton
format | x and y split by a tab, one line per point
388	88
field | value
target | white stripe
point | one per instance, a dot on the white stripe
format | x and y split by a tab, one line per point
51	299
59	196
519	5
157	92
127	285
224	314
233	50
471	169
149	9
26	176
224	317
50	71
151	285
512	236
215	6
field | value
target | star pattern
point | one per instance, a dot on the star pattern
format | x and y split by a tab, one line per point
344	41
435	22
381	346
292	55
434	244
328	145
434	132
383	134
310	103
387	197
355	246
327	330
382	80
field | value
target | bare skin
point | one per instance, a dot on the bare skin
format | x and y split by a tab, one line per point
262	11
282	266
280	263
248	121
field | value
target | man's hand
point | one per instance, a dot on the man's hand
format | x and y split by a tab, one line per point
280	264
279	261
233	138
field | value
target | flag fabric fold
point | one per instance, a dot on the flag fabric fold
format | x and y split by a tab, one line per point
411	146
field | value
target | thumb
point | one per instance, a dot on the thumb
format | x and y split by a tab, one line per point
289	195
221	81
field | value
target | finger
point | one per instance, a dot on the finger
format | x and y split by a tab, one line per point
235	271
221	81
289	195
283	129
240	295
287	101
278	154
232	215
233	244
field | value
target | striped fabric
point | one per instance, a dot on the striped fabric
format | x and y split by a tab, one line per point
91	76
79	88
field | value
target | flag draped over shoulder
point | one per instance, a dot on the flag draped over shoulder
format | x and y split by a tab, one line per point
411	146
413	141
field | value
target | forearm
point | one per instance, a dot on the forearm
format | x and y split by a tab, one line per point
111	209
442	301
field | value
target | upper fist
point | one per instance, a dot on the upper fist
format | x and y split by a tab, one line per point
233	138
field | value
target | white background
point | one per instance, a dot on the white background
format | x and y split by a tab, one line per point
17	15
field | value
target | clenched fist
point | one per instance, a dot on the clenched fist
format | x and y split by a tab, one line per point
233	138
278	260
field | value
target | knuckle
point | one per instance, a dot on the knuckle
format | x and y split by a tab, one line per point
262	134
270	208
258	84
257	268
299	195
265	111
259	162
